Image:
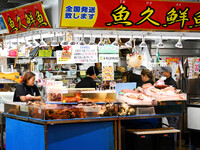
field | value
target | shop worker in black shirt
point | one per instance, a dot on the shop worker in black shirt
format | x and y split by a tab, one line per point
88	82
27	90
173	121
167	72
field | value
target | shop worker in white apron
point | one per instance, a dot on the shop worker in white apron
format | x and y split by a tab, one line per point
167	72
88	82
27	90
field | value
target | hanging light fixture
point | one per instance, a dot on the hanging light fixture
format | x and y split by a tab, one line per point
72	42
115	43
10	45
18	47
34	43
54	42
27	43
82	42
143	44
42	42
179	43
101	41
92	40
64	42
160	43
129	42
106	41
134	50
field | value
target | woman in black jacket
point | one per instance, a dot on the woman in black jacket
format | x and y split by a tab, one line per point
147	76
27	90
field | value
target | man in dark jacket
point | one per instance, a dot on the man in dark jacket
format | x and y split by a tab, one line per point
88	82
167	72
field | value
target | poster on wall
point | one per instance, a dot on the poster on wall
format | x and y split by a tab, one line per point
77	54
129	14
193	67
196	67
107	71
174	63
25	17
190	66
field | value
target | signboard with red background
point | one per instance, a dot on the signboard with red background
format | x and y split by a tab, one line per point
25	17
129	14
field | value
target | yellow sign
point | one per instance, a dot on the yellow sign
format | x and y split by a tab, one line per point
78	13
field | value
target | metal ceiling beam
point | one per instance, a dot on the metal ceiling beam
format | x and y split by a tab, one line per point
6	5
21	1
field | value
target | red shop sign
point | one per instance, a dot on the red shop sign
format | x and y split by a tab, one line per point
25	17
129	14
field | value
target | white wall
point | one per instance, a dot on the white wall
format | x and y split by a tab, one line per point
52	9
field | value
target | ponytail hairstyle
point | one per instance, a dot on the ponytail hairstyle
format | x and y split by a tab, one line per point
148	73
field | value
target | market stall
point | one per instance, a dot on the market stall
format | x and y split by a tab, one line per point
67	116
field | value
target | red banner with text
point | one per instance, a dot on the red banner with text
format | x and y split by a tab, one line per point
129	14
25	17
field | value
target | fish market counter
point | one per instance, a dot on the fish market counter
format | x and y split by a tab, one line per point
99	133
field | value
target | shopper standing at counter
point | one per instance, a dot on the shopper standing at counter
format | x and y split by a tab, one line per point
147	76
167	72
27	90
88	82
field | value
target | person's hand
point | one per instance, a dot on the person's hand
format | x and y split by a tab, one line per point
29	97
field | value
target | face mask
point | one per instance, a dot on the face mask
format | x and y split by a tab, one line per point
163	77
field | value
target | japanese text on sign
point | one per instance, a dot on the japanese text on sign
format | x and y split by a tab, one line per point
25	17
108	57
79	12
85	54
122	15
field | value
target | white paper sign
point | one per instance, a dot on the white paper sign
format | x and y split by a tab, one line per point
78	54
109	57
85	54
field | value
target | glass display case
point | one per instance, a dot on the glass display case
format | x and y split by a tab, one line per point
85	103
77	94
16	108
55	111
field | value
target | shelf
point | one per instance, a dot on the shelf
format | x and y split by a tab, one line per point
19	57
6	81
30	57
47	57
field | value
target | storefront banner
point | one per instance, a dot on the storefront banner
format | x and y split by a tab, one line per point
78	54
109	57
85	54
108	49
107	71
25	17
129	14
